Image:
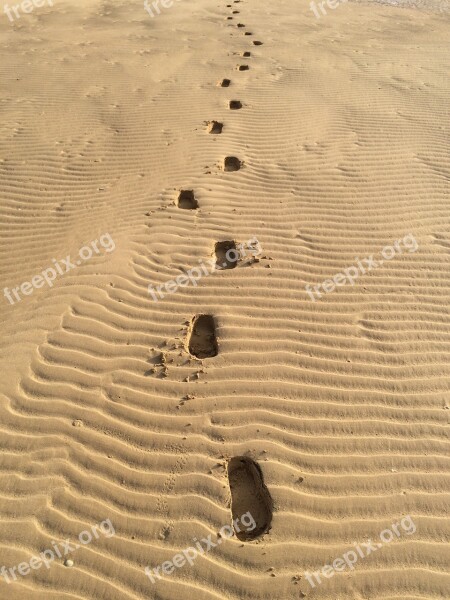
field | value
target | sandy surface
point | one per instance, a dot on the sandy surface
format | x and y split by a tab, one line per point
326	416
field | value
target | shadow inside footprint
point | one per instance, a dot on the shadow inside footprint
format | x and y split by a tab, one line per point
243	68
235	104
231	163
249	497
224	83
227	255
215	127
257	43
187	200
202	337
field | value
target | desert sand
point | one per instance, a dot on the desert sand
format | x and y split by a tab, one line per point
321	411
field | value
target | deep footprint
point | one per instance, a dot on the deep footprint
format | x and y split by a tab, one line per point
187	200
224	83
257	43
249	494
227	256
215	127
231	163
235	104
202	337
243	68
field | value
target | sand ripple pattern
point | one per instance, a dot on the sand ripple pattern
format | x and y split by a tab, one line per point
343	138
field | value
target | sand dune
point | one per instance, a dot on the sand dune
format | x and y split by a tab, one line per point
308	144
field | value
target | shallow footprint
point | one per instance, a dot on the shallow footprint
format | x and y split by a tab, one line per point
187	200
215	127
249	495
227	255
202	337
232	163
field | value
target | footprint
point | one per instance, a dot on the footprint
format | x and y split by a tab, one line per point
224	83
227	255
235	104
187	200
202	337
246	54
248	33
215	127
257	43
231	163
249	495
240	25
243	68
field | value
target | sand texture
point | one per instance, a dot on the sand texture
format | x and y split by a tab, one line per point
325	417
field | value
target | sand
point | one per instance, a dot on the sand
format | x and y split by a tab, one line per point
326	415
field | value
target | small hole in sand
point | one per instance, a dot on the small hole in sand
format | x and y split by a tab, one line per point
187	200
231	163
215	127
